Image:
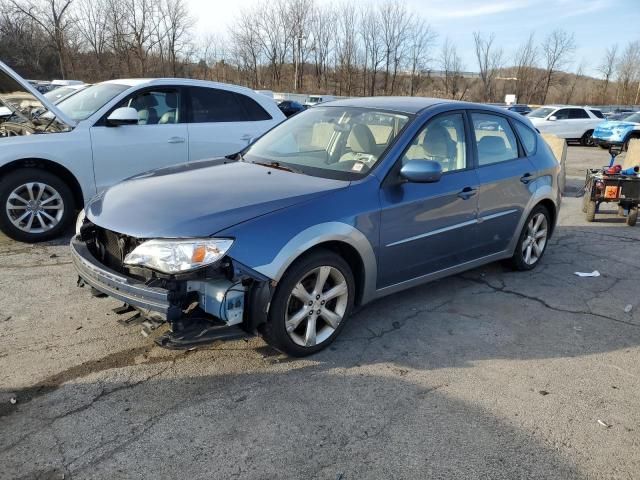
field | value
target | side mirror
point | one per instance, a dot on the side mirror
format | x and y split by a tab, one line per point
123	116
553	118
421	171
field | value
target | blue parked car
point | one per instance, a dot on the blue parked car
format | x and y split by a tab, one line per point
338	206
617	132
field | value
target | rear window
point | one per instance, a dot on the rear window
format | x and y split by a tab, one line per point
578	114
597	113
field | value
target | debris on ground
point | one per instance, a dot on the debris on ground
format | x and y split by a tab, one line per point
543	392
628	308
13	400
604	424
595	273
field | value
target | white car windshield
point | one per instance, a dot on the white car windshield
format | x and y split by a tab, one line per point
334	142
541	112
88	101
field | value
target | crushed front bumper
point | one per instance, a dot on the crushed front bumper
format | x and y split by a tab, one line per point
120	287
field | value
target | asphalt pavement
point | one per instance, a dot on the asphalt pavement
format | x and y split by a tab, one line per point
489	374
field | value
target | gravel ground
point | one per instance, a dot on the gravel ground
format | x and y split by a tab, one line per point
489	374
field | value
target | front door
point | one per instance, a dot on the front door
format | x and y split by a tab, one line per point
506	176
159	140
428	227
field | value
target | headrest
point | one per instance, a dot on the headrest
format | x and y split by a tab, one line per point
361	139
437	142
492	145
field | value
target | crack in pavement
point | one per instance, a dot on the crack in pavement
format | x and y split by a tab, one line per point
544	303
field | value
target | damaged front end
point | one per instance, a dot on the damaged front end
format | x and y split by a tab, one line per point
219	301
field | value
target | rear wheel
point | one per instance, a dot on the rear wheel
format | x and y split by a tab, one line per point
35	205
587	139
632	218
533	240
311	304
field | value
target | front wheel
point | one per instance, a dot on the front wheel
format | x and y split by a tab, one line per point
311	304
35	205
533	240
632	218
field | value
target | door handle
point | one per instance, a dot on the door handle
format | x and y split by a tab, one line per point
526	178
467	193
176	140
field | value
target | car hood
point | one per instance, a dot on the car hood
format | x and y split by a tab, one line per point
611	124
202	199
18	96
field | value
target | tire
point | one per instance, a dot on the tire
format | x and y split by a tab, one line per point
40	192
286	306
585	200
591	211
604	147
632	218
587	139
531	247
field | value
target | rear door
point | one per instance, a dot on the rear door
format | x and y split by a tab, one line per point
580	121
159	139
428	227
505	174
222	122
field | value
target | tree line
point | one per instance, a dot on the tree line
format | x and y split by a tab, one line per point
304	46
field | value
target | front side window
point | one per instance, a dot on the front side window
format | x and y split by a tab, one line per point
441	140
332	142
495	139
155	107
88	101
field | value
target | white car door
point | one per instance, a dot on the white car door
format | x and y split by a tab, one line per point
223	122
563	126
581	122
159	140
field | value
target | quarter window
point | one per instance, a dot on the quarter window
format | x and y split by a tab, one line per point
254	111
495	139
441	140
527	137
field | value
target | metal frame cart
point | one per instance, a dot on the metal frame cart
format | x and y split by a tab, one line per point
602	187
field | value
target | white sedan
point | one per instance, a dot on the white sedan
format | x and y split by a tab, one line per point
54	158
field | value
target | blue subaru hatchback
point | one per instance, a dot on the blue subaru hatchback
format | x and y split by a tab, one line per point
342	204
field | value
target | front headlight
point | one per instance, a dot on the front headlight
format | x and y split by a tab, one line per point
80	220
175	256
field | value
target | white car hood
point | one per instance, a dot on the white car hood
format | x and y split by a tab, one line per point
13	85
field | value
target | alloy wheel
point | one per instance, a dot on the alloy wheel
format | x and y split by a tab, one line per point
316	306
535	239
35	207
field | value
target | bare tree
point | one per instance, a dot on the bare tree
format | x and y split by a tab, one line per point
323	33
52	16
372	47
628	71
455	86
346	48
489	62
525	60
607	69
556	48
394	22
175	25
422	39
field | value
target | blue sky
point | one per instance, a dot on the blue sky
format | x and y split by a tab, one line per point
596	24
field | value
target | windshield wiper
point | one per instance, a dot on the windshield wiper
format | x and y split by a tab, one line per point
278	166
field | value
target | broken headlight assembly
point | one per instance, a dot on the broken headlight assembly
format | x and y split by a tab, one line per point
177	256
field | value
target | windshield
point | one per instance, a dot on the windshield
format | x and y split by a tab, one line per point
635	118
58	93
88	101
541	112
332	142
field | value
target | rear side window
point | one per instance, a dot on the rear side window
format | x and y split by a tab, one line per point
209	105
562	114
495	139
527	137
578	114
254	111
597	113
